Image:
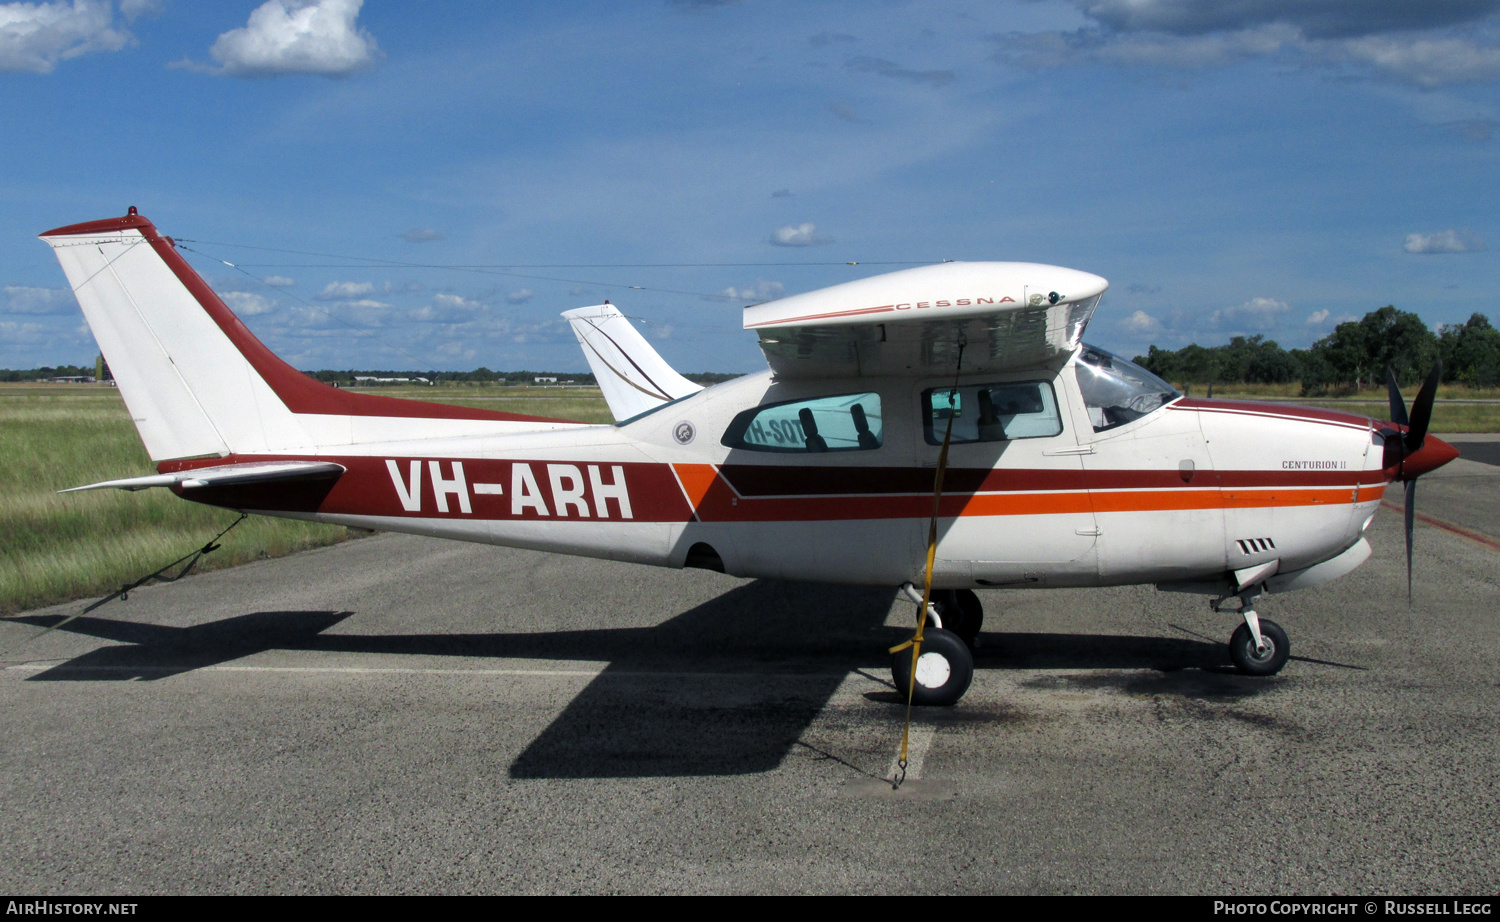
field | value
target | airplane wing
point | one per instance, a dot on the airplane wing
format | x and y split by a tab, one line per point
225	475
633	377
1008	315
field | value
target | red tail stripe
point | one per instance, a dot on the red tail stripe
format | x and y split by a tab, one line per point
300	393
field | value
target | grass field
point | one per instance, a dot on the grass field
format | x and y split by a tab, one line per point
1293	391
581	404
54	548
1455	410
79	545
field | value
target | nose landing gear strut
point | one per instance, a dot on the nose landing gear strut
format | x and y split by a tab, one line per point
1259	647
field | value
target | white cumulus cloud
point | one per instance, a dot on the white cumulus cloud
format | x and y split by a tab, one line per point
1257	313
457	350
24	333
762	290
519	296
23	300
247	304
456	301
1141	323
448	309
1426	44
1448	241
298	37
35	36
279	281
135	9
1427	62
341	291
1316	318
803	235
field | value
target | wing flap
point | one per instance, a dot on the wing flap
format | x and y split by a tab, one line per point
225	475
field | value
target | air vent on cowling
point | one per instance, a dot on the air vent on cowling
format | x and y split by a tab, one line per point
1256	545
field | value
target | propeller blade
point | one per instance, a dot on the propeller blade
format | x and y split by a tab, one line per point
1398	404
1421	410
1411	515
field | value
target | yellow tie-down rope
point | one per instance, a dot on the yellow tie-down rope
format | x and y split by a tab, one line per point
932	535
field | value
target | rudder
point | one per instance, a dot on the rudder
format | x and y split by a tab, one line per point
198	383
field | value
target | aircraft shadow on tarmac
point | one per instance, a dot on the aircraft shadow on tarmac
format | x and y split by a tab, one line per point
725	688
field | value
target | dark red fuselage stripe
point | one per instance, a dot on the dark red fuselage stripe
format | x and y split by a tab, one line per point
367	488
768	480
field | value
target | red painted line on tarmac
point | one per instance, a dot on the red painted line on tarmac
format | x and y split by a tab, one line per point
1475	536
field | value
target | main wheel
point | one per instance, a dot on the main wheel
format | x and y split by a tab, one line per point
1249	660
944	670
961	612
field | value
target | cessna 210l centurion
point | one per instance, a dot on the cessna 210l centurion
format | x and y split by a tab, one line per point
942	423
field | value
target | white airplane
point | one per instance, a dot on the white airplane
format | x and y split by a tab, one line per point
942	427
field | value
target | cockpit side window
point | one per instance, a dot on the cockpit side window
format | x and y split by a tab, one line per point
990	412
1117	391
848	422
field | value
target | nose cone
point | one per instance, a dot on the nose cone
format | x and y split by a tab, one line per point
1433	454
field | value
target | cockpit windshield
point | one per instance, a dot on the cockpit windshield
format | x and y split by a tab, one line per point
1118	391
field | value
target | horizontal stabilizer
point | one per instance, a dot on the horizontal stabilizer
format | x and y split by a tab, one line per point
225	475
633	377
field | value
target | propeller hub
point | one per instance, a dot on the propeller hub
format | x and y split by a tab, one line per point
1433	455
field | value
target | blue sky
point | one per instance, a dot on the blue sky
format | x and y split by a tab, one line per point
1264	166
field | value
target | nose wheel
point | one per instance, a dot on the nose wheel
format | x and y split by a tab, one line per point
1265	658
1258	647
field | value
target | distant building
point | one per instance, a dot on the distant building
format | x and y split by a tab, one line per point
541	379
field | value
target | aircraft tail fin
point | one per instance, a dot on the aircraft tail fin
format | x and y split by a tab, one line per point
633	377
198	383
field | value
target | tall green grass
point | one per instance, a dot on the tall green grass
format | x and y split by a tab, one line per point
54	548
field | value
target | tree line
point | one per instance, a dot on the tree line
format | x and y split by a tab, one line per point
45	373
1355	355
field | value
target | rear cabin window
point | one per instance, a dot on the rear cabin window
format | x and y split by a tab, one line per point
991	412
848	422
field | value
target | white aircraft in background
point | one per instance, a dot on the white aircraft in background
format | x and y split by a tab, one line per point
1059	464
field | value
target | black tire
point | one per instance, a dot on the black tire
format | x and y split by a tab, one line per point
962	613
1253	662
944	671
